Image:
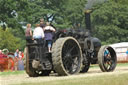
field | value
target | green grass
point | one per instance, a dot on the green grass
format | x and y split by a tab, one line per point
122	64
113	79
11	73
22	72
120	79
118	65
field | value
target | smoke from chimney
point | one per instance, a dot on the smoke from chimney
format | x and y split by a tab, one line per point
88	9
91	3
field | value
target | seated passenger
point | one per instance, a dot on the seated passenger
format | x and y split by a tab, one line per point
49	35
38	32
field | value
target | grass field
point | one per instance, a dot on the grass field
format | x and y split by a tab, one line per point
7	73
118	77
118	65
22	72
121	79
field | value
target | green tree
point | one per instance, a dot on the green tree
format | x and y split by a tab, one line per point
73	13
13	12
7	40
110	21
62	13
121	1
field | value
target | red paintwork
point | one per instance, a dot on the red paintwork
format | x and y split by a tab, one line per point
6	63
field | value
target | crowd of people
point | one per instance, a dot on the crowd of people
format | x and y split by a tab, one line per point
42	31
11	61
18	60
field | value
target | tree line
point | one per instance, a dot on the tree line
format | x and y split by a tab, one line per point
109	19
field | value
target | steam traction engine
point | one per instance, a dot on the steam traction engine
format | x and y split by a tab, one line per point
72	52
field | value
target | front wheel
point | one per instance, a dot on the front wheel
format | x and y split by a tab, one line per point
107	58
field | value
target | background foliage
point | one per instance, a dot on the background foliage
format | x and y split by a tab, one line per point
9	41
109	19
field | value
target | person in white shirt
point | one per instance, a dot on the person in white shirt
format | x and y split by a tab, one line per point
38	32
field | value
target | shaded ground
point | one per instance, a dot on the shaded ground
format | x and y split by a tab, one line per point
20	78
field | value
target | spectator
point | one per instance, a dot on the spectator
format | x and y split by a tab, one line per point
49	35
20	55
20	62
38	32
16	55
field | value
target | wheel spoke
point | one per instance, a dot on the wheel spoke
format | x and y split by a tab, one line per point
75	63
67	47
67	63
72	48
71	62
106	65
75	55
108	61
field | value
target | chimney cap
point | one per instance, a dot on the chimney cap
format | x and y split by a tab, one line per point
88	11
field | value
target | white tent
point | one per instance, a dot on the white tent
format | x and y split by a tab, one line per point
122	44
121	50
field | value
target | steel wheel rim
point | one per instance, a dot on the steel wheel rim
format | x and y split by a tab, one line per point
71	56
108	60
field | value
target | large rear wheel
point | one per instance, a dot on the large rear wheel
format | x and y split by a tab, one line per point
28	65
66	56
107	59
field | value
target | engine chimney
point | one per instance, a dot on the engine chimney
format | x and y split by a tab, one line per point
88	20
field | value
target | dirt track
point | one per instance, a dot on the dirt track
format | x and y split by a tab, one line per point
13	79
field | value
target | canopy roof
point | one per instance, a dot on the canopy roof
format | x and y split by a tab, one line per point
122	44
